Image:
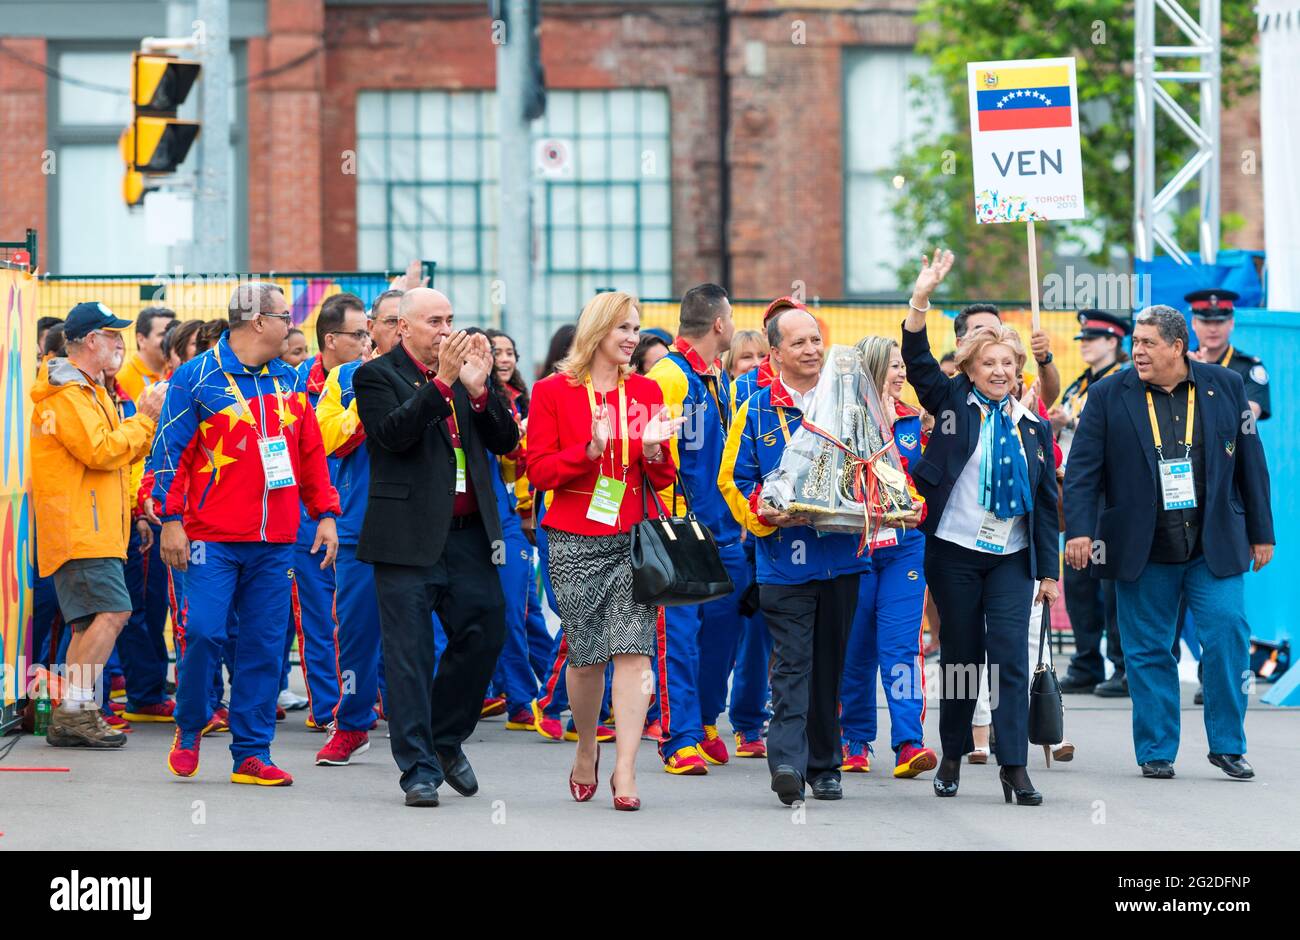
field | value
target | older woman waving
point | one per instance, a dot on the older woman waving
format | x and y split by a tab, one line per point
989	477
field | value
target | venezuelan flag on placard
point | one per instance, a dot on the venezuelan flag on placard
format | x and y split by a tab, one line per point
1016	99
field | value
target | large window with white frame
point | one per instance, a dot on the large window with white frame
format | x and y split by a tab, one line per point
427	188
880	121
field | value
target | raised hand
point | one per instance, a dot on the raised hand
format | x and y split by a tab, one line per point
661	427
451	356
151	399
477	364
600	432
932	274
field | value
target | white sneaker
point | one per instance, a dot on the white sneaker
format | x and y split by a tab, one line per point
291	701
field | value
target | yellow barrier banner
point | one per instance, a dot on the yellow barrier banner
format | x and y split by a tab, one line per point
17	373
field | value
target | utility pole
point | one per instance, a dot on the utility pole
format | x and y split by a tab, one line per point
211	252
515	212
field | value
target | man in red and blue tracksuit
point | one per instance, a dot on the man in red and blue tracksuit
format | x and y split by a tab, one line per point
239	437
700	640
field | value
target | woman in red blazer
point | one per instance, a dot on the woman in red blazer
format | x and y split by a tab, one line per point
596	432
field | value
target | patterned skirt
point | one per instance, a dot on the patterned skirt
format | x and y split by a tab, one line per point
592	579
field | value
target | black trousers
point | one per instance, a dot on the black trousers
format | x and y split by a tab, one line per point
1090	602
984	602
430	714
810	626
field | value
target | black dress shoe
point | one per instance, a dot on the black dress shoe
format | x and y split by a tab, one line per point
458	773
827	787
1199	697
787	784
1234	765
1159	769
1114	687
947	777
1015	782
422	794
1077	684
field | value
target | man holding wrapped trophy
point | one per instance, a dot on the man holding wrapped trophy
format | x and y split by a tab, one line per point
806	471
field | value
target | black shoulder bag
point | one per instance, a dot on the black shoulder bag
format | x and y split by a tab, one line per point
1046	709
675	560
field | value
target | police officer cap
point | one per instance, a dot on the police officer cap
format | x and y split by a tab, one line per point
1094	323
1213	304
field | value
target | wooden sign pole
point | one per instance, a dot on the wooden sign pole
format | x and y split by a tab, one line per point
1033	272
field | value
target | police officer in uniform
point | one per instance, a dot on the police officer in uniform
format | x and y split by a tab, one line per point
1212	321
1090	602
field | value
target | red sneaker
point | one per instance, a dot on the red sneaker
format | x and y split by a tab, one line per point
686	762
341	747
117	687
183	758
493	706
750	744
219	723
521	720
857	758
913	760
713	749
549	728
160	712
117	722
280	713
263	774
117	706
653	732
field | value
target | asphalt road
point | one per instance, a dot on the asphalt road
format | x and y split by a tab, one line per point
128	800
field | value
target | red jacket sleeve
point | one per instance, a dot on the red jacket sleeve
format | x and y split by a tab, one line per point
551	466
318	494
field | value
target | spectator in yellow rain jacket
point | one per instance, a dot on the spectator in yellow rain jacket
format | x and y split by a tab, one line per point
81	458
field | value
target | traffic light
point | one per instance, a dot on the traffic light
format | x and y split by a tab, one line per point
156	142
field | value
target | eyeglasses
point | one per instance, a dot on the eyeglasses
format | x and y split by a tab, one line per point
358	335
286	317
386	321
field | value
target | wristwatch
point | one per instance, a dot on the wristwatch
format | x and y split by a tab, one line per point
1044	362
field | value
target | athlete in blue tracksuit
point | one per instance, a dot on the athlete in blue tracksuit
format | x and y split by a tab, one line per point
514	676
356	668
886	635
248	444
312	614
700	639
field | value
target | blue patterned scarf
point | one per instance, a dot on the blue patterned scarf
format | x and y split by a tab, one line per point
1004	475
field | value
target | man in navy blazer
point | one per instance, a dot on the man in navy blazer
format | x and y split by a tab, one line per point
1166	514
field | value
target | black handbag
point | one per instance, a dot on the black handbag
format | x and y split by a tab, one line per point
675	560
1046	708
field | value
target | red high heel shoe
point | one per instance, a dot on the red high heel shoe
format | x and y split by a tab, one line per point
627	804
582	792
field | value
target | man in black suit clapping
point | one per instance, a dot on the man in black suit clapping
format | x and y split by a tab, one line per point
430	528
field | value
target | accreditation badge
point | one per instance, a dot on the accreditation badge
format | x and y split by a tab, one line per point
460	470
1177	484
994	533
276	463
606	499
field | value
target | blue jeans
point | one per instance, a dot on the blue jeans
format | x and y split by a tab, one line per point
1148	610
886	640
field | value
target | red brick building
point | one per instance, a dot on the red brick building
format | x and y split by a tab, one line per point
365	137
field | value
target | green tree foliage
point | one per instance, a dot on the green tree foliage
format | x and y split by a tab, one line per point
936	206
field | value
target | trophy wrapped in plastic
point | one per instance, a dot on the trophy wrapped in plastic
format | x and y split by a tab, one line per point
841	467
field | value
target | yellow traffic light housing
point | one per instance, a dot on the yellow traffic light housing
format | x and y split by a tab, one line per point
156	142
160	83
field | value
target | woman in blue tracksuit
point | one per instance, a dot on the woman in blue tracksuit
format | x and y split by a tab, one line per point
886	635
